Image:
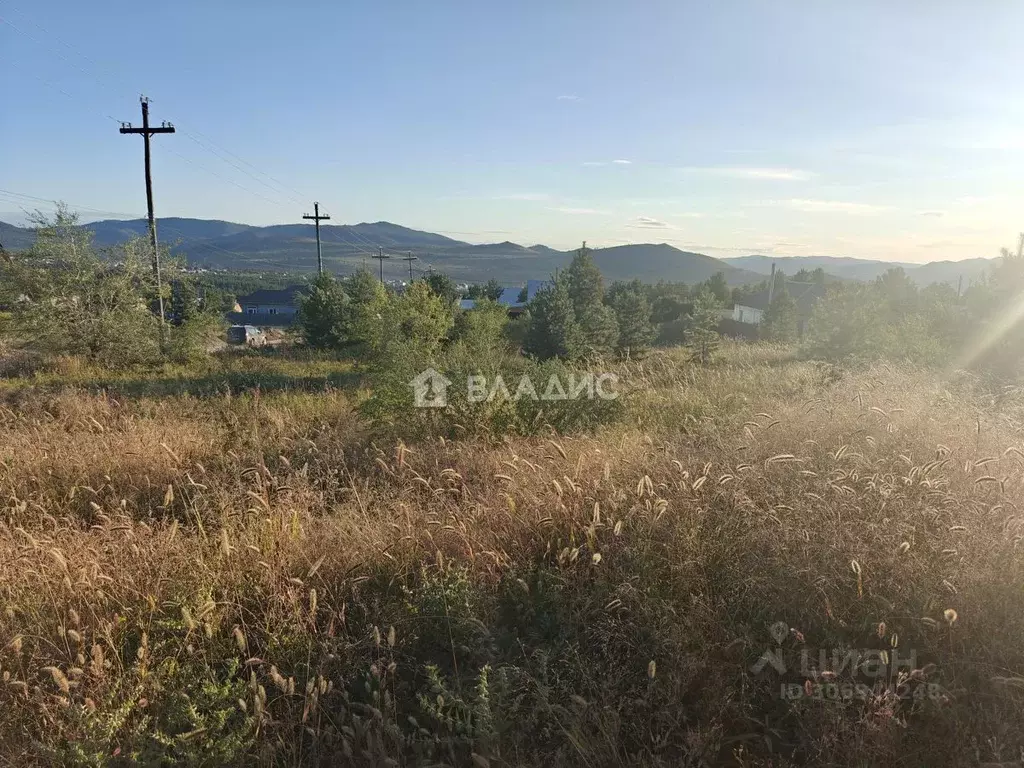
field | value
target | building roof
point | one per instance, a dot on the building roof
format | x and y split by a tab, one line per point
510	295
805	295
285	296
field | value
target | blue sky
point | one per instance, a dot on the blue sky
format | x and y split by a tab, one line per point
872	129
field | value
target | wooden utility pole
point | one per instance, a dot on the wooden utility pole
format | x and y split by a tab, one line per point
317	218
380	257
410	258
146	130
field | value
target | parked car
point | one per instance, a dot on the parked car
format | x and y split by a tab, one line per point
249	335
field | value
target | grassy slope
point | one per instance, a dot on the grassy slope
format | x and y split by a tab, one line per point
228	577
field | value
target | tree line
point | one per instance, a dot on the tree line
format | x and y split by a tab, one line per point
63	296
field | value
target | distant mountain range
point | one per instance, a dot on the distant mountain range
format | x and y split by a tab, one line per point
971	270
292	247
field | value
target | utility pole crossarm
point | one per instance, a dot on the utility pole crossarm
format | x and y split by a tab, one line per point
166	128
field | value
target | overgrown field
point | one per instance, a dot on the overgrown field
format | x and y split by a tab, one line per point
210	576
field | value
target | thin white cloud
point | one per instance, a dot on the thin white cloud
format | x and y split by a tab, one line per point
534	197
646	222
835	206
766	174
595	163
569	97
622	162
578	211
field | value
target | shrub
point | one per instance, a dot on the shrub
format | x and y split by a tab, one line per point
322	314
482	329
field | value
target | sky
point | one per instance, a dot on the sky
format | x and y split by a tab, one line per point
798	127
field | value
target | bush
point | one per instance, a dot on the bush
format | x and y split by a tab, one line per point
322	314
74	301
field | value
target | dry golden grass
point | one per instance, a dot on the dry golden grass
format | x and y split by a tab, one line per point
248	579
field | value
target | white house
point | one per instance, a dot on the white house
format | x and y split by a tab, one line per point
745	314
805	295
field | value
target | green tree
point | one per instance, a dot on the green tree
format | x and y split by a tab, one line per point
77	302
996	340
553	330
584	281
418	320
215	301
719	288
816	275
362	320
702	335
850	323
443	287
633	313
492	289
481	330
667	309
596	321
185	303
323	314
780	319
623	286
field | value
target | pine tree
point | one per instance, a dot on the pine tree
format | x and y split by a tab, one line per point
584	281
702	335
553	331
597	323
780	319
492	289
633	313
719	288
184	301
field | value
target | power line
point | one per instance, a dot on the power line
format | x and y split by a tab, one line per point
33	198
206	143
65	44
240	168
225	178
298	194
355	245
106	84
